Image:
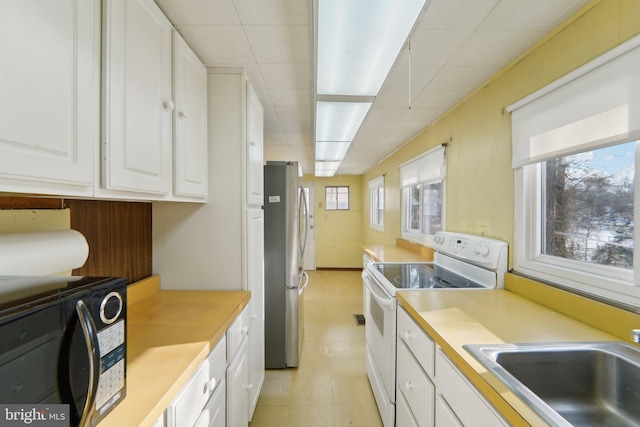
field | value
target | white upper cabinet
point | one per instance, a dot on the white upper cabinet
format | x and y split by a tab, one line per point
49	114
190	142
255	140
138	99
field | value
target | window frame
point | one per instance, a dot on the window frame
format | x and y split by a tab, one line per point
595	106
337	208
612	283
415	177
375	221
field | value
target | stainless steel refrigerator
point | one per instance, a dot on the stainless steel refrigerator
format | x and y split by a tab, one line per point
285	233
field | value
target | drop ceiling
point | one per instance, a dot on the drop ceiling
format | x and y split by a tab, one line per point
455	47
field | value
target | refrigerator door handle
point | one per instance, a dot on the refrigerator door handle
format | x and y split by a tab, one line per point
306	282
303	242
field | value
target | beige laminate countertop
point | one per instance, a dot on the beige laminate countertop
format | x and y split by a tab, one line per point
456	318
390	253
169	333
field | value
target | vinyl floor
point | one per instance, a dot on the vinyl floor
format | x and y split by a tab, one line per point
330	387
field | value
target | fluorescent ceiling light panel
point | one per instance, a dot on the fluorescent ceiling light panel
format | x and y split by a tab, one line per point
326	168
339	121
358	42
331	150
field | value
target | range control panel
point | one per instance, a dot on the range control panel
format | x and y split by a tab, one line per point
479	250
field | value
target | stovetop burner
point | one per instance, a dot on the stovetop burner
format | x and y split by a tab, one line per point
423	276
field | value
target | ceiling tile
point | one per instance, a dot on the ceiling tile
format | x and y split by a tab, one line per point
203	12
527	15
492	47
280	44
461	78
456	14
291	98
274	12
218	46
287	76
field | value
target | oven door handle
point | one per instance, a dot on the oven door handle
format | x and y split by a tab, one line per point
93	351
382	299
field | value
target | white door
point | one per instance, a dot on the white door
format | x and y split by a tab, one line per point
310	249
49	87
190	152
138	97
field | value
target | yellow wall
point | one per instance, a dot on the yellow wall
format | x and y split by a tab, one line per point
479	187
339	233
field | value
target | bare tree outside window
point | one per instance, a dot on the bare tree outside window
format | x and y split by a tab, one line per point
588	213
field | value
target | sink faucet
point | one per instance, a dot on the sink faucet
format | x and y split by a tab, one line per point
635	335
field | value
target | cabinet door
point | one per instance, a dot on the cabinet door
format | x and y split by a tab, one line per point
255	284
255	142
137	94
49	114
190	145
237	393
465	403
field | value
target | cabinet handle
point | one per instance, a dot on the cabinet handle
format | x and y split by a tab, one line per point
168	105
254	316
407	335
249	386
212	384
244	331
183	114
409	386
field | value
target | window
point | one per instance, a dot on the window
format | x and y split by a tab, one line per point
574	152
422	181
376	203
336	198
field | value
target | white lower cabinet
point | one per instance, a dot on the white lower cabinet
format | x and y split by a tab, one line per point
414	365
214	414
430	389
444	415
159	422
238	380
199	400
404	416
238	387
465	403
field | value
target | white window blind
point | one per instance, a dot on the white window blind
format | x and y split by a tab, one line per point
424	168
597	104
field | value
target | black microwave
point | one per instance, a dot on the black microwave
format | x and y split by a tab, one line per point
63	341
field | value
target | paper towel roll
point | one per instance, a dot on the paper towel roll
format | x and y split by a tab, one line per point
42	253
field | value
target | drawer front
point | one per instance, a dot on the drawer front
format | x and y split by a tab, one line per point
444	415
217	360
186	408
422	347
416	387
468	405
404	417
237	332
214	414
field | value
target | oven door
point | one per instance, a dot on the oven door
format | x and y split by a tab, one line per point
380	332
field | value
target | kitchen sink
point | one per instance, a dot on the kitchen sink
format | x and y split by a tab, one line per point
570	384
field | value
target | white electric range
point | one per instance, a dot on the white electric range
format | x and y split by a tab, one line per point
461	261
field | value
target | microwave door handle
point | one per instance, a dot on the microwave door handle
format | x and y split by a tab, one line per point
93	351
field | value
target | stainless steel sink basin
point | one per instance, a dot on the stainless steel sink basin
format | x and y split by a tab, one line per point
579	384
